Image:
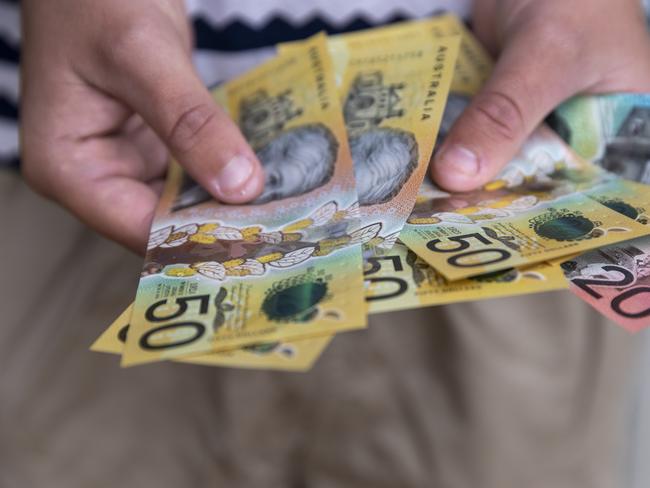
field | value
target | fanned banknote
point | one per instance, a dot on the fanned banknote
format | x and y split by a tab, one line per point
502	226
284	356
398	279
393	84
612	131
288	266
473	65
393	98
615	280
625	197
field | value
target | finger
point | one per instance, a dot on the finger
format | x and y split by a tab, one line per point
153	73
152	151
523	88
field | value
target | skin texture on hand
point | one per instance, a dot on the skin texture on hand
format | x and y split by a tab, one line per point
108	88
546	51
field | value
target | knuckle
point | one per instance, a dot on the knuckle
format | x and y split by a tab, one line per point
501	113
125	43
564	38
568	46
190	127
554	32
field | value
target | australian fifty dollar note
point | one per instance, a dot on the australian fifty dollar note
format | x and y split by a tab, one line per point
393	84
398	279
287	266
545	216
393	92
278	355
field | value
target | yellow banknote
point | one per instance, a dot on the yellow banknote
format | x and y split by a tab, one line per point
393	83
562	259
393	96
284	356
625	197
288	266
473	65
398	279
494	228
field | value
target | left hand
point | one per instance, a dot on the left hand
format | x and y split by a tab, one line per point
546	52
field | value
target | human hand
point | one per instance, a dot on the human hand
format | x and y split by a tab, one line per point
107	89
546	52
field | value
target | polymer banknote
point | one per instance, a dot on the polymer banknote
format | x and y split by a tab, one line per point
393	97
398	279
500	226
283	356
612	131
615	280
288	266
393	84
626	197
473	65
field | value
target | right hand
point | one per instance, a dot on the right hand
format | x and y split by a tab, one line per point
108	88
548	51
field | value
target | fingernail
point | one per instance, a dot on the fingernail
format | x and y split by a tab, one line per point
234	175
251	189
459	160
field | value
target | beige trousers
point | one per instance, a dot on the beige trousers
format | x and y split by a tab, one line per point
523	392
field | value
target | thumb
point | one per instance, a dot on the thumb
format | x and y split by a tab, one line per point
158	81
523	88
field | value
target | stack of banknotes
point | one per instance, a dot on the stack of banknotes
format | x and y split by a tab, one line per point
349	224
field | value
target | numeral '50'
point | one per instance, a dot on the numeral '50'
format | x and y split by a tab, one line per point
463	243
197	329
